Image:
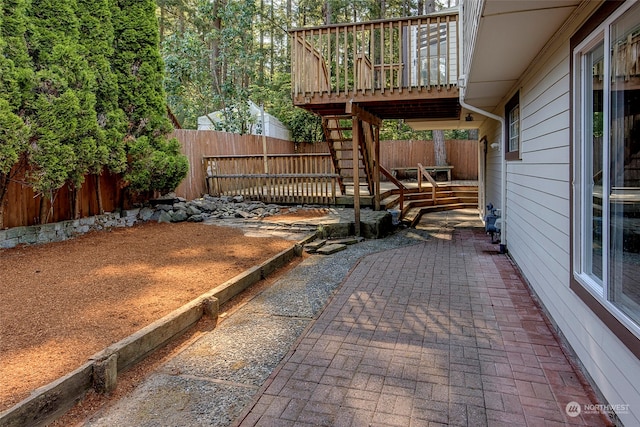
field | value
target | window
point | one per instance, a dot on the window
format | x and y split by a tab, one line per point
512	131
606	169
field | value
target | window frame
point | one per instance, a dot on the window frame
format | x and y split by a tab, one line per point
594	295
513	104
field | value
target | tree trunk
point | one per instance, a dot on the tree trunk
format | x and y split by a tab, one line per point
429	6
216	66
44	211
76	203
439	148
4	186
261	67
327	10
99	195
121	203
287	44
272	47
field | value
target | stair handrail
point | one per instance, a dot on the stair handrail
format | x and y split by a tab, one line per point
434	185
396	182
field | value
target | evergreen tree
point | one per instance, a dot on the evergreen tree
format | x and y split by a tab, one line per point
14	78
155	163
97	37
65	125
13	30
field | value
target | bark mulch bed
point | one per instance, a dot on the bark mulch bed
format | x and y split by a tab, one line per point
61	303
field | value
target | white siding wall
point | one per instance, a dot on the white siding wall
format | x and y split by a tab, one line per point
538	223
492	179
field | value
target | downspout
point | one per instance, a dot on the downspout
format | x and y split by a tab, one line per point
462	86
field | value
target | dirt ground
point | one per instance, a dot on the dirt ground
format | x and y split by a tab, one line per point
60	303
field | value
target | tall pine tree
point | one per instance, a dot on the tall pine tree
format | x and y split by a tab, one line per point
154	161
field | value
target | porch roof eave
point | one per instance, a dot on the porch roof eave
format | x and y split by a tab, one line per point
510	36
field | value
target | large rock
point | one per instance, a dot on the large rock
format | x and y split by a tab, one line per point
166	208
331	249
179	216
165	217
314	246
192	210
146	213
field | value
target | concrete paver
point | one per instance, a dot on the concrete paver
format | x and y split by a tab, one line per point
441	333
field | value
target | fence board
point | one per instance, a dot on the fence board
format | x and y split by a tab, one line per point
463	154
291	178
199	143
21	206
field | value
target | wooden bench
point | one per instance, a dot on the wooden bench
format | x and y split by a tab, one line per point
430	169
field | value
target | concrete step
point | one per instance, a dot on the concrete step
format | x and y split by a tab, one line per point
413	213
447	207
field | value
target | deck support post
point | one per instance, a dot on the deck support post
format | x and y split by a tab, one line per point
376	167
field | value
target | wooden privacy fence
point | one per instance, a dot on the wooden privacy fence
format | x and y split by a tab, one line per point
22	206
199	144
461	154
274	178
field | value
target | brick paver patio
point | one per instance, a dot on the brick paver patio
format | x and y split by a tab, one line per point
440	333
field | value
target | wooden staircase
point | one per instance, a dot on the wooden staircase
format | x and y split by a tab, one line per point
343	131
448	197
339	134
415	202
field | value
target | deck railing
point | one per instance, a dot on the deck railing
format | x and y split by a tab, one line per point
394	54
275	178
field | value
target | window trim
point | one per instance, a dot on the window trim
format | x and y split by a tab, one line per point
614	319
508	108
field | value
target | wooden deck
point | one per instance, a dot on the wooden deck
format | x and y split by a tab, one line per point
395	69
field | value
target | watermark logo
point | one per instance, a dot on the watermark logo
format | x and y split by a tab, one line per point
573	409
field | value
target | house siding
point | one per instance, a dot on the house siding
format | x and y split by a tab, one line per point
492	179
538	224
